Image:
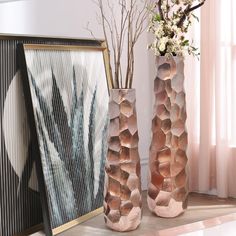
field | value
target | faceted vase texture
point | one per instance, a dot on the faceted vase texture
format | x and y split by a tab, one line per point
122	203
167	189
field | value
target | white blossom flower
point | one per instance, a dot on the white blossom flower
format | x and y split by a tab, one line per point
169	28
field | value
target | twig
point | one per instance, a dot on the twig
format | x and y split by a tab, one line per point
160	10
106	40
187	11
90	31
130	28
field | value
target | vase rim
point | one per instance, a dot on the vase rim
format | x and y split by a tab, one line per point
171	56
123	89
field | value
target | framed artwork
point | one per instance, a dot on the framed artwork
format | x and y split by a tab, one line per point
67	97
20	204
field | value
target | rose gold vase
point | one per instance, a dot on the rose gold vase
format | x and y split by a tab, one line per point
122	203
167	190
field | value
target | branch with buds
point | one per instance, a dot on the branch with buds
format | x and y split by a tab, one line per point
169	22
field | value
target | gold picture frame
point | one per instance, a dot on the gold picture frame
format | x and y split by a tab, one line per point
49	230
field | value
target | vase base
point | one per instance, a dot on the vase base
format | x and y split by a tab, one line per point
172	210
126	223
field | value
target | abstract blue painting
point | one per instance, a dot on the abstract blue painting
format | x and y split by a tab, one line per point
69	95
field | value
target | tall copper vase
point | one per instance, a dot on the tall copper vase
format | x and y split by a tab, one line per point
122	203
167	190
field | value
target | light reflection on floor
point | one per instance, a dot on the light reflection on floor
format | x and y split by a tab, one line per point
218	226
226	229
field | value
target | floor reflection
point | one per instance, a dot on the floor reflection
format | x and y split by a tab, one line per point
218	226
226	229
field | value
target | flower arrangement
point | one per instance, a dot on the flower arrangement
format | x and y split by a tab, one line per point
169	22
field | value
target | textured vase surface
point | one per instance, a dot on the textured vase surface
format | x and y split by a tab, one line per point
167	190
122	203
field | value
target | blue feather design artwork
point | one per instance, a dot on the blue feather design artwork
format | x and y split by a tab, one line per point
70	104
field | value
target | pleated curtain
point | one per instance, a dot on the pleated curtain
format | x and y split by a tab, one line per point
211	101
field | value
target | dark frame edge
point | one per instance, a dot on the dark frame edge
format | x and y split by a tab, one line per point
31	230
9	36
30	114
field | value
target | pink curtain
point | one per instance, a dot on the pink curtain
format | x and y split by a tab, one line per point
211	102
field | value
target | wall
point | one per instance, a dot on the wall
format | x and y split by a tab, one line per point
69	18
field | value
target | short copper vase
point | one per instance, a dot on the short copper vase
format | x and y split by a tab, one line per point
167	189
122	203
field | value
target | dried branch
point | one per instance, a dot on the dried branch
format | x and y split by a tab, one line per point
143	14
99	4
187	11
90	31
124	16
115	40
106	22
128	28
129	40
138	30
160	10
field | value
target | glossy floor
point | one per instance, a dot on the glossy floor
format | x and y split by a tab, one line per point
203	211
222	225
227	229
